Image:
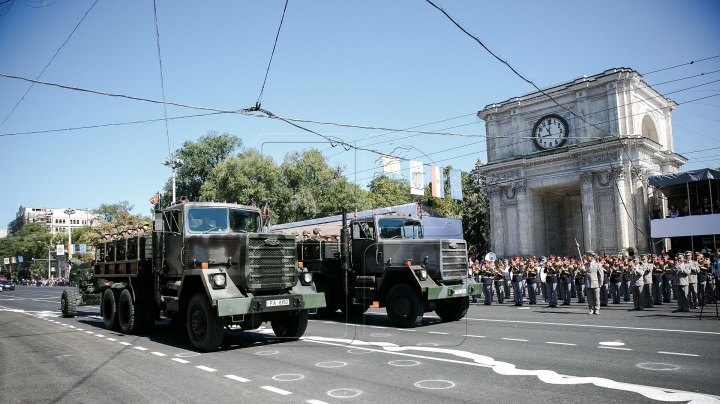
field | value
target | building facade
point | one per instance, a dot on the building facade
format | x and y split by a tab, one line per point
574	167
56	220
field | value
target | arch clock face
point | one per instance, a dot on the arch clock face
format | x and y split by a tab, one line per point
549	132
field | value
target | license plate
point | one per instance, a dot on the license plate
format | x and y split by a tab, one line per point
278	302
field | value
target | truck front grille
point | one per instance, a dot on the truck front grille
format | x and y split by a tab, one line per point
454	266
272	264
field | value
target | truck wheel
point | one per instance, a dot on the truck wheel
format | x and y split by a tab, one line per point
403	306
292	327
204	328
130	313
453	309
68	304
109	306
149	314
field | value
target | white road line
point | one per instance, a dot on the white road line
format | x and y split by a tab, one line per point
100	335
140	348
376	326
474	336
238	378
678	353
89	332
316	402
614	327
436	332
72	326
178	360
329	322
560	343
276	390
78	329
405	329
111	339
515	339
125	343
158	353
207	369
614	347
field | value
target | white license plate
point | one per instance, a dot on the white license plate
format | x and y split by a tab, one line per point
278	302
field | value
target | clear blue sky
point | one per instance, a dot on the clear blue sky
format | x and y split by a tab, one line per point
395	64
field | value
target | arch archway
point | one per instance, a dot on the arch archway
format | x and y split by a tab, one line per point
649	130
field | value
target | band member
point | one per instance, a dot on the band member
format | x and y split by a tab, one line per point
516	273
704	271
626	279
580	282
636	279
487	273
681	272
566	279
657	279
605	286
531	280
499	281
542	274
667	280
551	280
615	279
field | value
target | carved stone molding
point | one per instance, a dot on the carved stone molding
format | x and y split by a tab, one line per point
587	177
520	186
493	191
508	194
617	173
608	157
639	173
607	175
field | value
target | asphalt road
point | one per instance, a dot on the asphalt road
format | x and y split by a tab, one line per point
500	353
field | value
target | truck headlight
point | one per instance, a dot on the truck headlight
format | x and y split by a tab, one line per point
423	274
218	281
305	278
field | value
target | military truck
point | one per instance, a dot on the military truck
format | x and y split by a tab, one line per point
386	259
206	265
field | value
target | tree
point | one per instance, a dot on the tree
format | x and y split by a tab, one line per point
15	225
199	160
114	211
384	191
475	213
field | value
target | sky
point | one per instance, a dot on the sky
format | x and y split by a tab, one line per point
398	64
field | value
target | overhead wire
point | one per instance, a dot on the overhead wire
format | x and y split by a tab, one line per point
48	63
267	71
162	82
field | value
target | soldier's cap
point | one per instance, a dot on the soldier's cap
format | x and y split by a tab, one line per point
679	255
644	256
316	230
636	259
543	257
305	233
688	253
590	253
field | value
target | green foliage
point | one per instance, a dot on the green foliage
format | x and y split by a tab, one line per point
384	191
475	214
28	241
113	211
199	160
15	225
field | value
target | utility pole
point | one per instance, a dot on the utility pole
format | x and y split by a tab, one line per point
69	212
173	163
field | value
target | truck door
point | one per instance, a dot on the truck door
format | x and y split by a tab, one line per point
365	248
173	227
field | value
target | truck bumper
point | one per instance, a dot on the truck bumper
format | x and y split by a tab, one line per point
453	291
268	304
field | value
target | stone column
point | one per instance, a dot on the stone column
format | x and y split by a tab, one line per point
496	220
588	211
642	232
526	219
623	205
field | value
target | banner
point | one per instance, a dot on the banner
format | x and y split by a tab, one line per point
12	260
455	185
437	181
20	259
417	178
83	248
59	250
391	165
6	261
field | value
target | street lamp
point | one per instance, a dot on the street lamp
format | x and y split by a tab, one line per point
69	212
173	163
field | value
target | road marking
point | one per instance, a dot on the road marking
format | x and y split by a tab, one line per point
595	326
78	329
560	343
677	353
236	378
207	369
178	360
375	326
111	339
72	326
158	353
474	336
140	348
100	335
89	332
436	332
316	402
515	339
614	347
125	343
276	390
405	329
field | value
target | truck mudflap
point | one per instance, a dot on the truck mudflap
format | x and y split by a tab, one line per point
268	304
452	291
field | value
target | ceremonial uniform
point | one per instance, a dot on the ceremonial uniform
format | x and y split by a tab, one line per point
703	273
593	281
681	272
486	277
566	280
551	280
580	282
615	282
605	286
647	281
626	280
636	280
667	281
516	273
499	284
692	280
657	280
531	281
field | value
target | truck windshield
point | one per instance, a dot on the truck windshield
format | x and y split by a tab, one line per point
206	220
242	221
222	220
400	228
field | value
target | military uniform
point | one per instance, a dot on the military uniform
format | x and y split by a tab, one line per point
516	274
657	281
580	282
702	277
499	283
605	285
531	280
593	281
486	275
566	280
615	281
647	281
551	280
692	279
637	281
626	279
667	281
681	272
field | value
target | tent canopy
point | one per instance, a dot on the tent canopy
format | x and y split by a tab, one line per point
704	174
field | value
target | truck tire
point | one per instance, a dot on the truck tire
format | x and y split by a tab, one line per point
453	309
109	306
292	327
129	313
68	303
149	315
403	306
204	327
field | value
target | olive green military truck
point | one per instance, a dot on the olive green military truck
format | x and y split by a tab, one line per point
386	259
207	265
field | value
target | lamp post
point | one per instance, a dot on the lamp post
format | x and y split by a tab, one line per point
69	212
173	163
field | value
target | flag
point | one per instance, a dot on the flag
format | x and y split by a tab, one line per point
438	182
20	259
12	260
266	209
391	165
455	185
417	178
6	261
156	198
83	248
